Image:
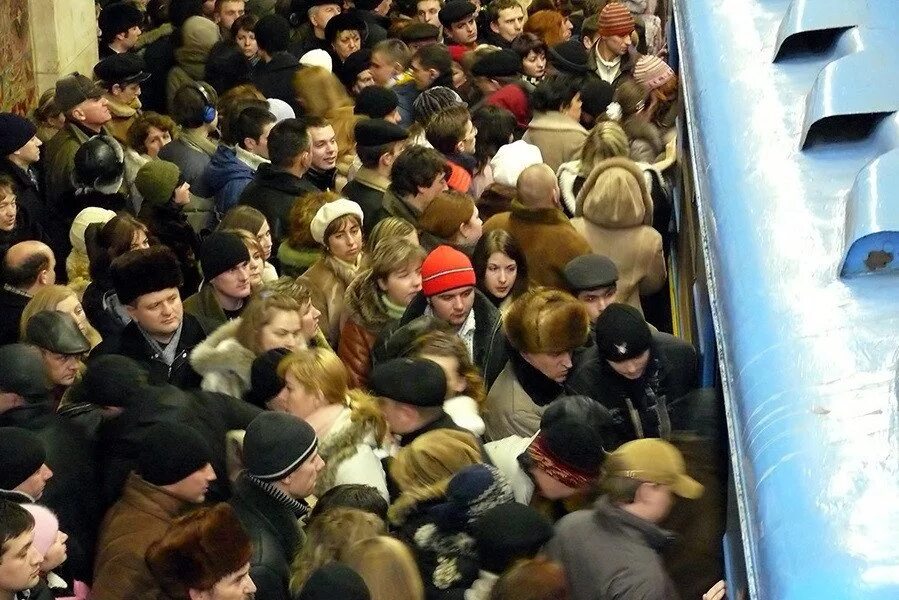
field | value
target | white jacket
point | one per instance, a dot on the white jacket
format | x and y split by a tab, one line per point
504	455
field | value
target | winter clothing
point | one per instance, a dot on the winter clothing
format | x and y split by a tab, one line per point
610	553
192	152
375	102
329	278
275	78
23	455
170	453
547	238
423	382
168	224
221	252
273	192
615	19
507	533
57	332
621	333
206	310
77	264
276	444
334	580
198	36
330	211
367	189
224	363
295	262
614	215
151	270
265	383
559	137
590	272
123	115
59	164
652	72
12	305
517	399
445	269
226	177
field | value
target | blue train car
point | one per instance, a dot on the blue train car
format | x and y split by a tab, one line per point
793	148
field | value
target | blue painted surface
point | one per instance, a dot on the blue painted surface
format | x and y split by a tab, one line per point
808	359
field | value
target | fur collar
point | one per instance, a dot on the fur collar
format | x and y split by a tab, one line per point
555	121
545	216
614	211
373	179
339	444
221	352
120	109
363	304
344	271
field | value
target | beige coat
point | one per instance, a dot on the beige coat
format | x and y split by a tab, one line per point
329	279
614	214
558	136
509	409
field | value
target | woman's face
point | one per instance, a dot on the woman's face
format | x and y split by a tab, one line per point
309	321
284	330
56	554
71	306
296	400
534	64
472	229
246	41
155	140
455	382
566	29
139	240
256	264
346	243
265	239
403	284
573	110
500	275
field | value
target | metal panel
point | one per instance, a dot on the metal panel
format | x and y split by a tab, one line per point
805	16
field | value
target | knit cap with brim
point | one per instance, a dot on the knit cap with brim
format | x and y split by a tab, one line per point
277	444
21	454
157	180
652	72
445	269
615	19
170	452
15	132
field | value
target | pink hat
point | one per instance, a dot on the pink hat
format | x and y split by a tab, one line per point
615	19
445	269
46	526
652	72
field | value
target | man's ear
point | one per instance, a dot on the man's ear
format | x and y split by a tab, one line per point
78	114
494	27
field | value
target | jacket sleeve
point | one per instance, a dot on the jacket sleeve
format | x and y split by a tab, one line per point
354	349
656	273
269	584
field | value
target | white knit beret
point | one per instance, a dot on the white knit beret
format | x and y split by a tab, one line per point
329	212
318	58
511	159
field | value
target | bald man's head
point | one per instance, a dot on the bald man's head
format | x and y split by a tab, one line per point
28	265
537	187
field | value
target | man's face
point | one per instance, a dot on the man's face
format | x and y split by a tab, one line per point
509	23
617	44
632	368
158	313
397	416
320	15
234	586
426	12
382	69
8	209
127	93
228	13
438	186
195	486
597	300
35	484
346	43
260	147
30	152
301	482
323	147
551	489
363	80
464	32
234	283
20	563
423	76
93	112
128	39
555	365
453	306
469	140
62	369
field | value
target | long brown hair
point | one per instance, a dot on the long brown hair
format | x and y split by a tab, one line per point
441	343
500	240
388	568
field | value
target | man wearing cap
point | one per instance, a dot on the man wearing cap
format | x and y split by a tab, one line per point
121	76
160	336
120	26
62	345
86	112
459	20
378	144
173	473
613	550
274	72
561	460
609	59
355	72
592	279
225	262
540	227
377	102
312	33
282	465
449	294
27	267
23	466
20	150
417	34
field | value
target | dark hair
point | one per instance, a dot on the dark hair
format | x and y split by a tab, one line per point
188	105
181	11
15	520
416	167
500	240
370	155
590	27
246	122
226	67
286	141
245	22
136	137
495	6
107	242
351	495
495	126
26	273
447	128
528	42
555	92
6	182
434	56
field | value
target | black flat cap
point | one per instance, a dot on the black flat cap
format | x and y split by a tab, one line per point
344	22
502	63
455	11
375	101
354	64
419	32
590	272
569	57
57	332
414	381
377	132
117	18
121	68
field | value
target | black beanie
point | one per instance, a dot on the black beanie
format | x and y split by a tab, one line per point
170	452
571	430
376	102
413	381
334	580
621	333
276	444
569	57
272	33
112	380
507	533
222	252
21	455
265	383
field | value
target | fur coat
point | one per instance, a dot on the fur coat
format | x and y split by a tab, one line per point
329	279
350	451
558	136
366	316
223	362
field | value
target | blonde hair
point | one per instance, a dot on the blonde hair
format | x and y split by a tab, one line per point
393	254
320	370
423	469
322	95
328	537
441	343
388	568
48	298
260	311
606	140
389	227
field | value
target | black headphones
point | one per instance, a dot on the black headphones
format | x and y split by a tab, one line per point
209	111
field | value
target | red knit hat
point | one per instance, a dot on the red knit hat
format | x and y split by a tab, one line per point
615	19
652	72
445	269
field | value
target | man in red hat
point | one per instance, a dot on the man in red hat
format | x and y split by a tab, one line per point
614	40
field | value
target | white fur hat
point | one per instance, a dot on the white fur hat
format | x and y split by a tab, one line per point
280	109
318	58
510	160
329	212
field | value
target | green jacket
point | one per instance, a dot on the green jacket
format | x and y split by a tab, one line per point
206	309
59	161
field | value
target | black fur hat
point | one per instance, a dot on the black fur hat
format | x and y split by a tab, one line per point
144	271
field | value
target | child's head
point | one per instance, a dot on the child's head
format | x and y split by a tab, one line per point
449	351
20	560
48	539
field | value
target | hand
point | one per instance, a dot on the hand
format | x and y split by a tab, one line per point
716	592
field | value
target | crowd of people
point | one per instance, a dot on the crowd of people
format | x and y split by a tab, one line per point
363	300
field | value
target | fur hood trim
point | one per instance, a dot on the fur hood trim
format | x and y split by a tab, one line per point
615	195
363	303
221	352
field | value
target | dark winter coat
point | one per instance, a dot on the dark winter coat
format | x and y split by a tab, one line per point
12	305
28	194
169	225
275	78
191	162
367	190
226	177
204	307
273	193
99	302
26	228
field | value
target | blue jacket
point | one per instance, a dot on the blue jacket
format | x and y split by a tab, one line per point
226	177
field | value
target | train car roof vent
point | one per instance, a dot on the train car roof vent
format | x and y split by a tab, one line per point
814	25
872	219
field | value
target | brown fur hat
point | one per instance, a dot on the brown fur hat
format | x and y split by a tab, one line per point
544	320
198	550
